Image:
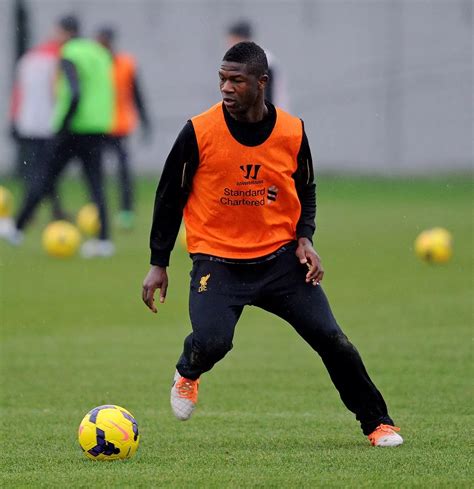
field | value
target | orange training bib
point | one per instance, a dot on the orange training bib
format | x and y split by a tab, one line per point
243	203
125	119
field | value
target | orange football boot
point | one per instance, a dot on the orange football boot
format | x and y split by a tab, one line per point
184	396
385	436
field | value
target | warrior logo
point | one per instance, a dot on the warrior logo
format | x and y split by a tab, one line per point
250	171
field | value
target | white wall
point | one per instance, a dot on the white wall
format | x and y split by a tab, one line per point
383	85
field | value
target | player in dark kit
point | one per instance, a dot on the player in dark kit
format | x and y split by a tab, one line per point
242	174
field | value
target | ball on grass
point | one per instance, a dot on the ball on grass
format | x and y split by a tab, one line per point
109	432
434	245
88	220
61	239
6	202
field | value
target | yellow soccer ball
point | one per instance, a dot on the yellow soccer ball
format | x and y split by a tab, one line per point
109	432
434	245
88	220
6	202
61	239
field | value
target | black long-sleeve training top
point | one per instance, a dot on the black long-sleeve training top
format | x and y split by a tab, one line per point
181	165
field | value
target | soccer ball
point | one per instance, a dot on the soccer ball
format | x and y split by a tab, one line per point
434	245
6	202
61	239
88	220
109	432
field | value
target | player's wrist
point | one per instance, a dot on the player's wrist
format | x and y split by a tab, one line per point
159	258
304	241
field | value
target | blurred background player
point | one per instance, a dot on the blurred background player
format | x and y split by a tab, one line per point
82	117
32	108
276	91
128	103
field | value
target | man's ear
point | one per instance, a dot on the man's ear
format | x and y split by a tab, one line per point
262	81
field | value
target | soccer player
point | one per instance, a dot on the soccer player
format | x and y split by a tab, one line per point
83	115
243	173
32	111
129	103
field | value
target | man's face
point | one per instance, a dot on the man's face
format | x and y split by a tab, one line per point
239	88
105	41
61	36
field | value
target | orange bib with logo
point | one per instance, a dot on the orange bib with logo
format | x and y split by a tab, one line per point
243	202
125	119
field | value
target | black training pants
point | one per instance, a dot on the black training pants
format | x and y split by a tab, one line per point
219	291
88	149
118	144
33	153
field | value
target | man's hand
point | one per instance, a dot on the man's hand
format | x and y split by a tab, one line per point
307	255
157	278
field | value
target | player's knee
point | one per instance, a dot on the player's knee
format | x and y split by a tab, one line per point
217	348
210	351
338	343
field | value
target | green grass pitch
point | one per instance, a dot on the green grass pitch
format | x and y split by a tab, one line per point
75	334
